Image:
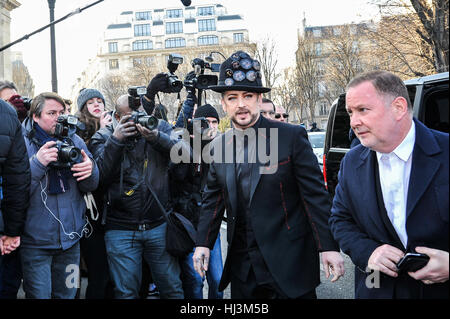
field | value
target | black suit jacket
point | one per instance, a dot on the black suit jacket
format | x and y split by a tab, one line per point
289	209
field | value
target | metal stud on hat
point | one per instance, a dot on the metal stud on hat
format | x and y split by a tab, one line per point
229	82
239	76
244	55
246	64
251	76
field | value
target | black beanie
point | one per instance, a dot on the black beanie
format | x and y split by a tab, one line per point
207	110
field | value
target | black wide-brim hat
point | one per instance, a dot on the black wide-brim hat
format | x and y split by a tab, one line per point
240	73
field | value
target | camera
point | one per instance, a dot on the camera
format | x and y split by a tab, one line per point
134	96
202	81
27	102
174	84
67	125
198	126
68	155
148	121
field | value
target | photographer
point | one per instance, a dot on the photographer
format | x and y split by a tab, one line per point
8	93
55	221
131	159
91	112
187	187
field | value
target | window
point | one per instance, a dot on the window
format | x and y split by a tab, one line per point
323	109
112	47
148	61
207	25
205	11
175	43
317	33
238	37
208	40
137	62
142	45
113	64
174	27
142	16
318	49
141	30
322	89
174	13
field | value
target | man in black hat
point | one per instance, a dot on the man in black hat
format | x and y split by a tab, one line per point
277	214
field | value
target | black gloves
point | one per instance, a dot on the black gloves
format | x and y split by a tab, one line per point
157	84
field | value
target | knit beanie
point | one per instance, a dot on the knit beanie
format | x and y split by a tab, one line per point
207	110
87	94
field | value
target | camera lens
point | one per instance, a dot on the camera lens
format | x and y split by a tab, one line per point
69	154
149	122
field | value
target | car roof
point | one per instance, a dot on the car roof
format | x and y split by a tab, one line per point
427	79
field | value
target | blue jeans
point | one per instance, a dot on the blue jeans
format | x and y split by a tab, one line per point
50	273
125	250
215	269
193	283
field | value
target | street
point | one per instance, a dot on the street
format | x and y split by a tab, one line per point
342	289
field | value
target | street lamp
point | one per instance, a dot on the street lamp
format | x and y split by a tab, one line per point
51	6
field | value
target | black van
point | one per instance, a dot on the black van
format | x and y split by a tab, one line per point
429	97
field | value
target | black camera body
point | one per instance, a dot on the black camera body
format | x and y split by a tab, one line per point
134	96
174	84
27	102
148	121
198	126
202	81
68	154
67	124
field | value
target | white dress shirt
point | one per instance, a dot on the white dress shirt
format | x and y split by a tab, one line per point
395	170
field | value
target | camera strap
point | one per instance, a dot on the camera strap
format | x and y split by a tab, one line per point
91	205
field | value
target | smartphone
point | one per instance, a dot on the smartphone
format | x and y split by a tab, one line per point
412	262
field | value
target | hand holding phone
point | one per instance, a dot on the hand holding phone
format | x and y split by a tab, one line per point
412	262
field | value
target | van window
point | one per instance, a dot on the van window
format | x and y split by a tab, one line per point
341	128
436	110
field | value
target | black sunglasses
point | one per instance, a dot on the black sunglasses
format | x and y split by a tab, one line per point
278	115
265	112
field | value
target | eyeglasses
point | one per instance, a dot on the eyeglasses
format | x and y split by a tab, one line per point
278	115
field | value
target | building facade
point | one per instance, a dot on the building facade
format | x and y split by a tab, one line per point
148	36
339	53
6	6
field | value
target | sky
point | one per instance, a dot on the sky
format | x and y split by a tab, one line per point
78	35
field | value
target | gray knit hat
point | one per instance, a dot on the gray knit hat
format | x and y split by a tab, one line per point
86	95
